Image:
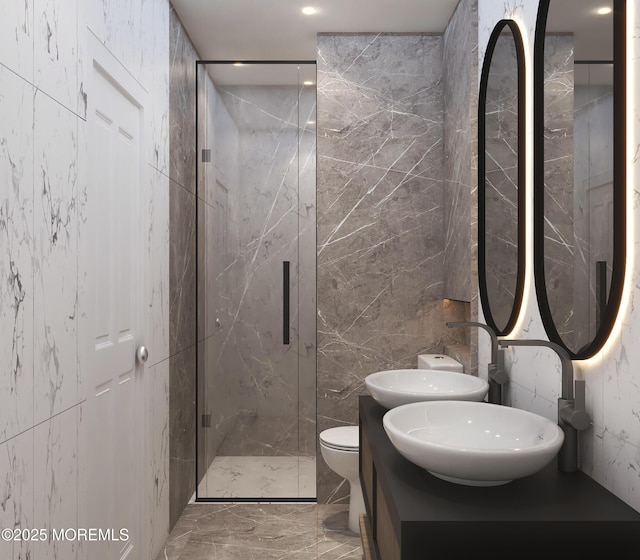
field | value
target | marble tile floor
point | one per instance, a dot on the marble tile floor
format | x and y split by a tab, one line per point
260	477
262	531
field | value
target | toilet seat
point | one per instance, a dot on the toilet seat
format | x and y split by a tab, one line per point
342	438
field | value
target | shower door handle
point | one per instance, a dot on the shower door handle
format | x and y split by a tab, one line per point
285	303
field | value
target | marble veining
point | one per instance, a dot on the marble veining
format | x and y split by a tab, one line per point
559	262
55	45
16	248
460	146
380	216
260	477
182	264
16	37
56	264
259	393
17	492
271	531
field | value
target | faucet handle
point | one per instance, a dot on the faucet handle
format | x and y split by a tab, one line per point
576	415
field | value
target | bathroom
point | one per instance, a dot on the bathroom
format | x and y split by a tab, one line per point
390	273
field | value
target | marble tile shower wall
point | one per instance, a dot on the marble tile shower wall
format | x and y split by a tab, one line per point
182	269
380	216
44	70
248	376
610	448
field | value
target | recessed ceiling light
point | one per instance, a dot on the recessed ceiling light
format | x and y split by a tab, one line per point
307	83
238	64
604	11
308	11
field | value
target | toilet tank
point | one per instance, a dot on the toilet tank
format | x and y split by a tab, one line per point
439	361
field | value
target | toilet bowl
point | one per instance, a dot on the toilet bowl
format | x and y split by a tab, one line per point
340	448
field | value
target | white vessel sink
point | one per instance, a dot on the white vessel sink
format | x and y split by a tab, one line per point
402	386
473	443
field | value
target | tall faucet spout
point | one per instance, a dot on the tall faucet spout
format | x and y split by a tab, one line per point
565	361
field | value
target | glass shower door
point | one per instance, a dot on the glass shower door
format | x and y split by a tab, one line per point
256	281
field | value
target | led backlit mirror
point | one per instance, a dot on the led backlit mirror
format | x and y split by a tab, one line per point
579	169
501	178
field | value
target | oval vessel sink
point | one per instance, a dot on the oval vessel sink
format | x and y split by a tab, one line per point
473	443
402	386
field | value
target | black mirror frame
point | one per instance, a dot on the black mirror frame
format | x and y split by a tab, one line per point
608	317
482	225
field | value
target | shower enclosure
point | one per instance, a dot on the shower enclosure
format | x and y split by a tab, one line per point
256	263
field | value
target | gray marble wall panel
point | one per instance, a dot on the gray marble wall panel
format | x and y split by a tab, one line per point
380	216
460	147
182	268
558	173
182	448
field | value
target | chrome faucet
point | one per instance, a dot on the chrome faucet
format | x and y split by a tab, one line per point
572	415
497	374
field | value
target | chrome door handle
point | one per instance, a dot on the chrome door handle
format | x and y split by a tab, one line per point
142	354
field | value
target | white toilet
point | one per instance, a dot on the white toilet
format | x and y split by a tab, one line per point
340	448
439	362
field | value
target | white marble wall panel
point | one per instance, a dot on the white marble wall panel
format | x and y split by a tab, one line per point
55	50
55	482
17	493
44	297
56	258
610	448
16	37
157	69
16	250
85	286
120	25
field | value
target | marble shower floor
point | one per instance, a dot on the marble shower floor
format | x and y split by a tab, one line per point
260	477
262	531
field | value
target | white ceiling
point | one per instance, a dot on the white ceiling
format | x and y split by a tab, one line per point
278	30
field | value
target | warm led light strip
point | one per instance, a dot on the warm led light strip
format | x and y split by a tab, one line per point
528	186
625	301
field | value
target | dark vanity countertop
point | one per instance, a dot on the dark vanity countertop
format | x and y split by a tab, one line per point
569	502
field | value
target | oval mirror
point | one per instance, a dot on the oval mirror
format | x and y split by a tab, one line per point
501	170
579	169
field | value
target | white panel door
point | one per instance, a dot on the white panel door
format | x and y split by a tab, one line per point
115	392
